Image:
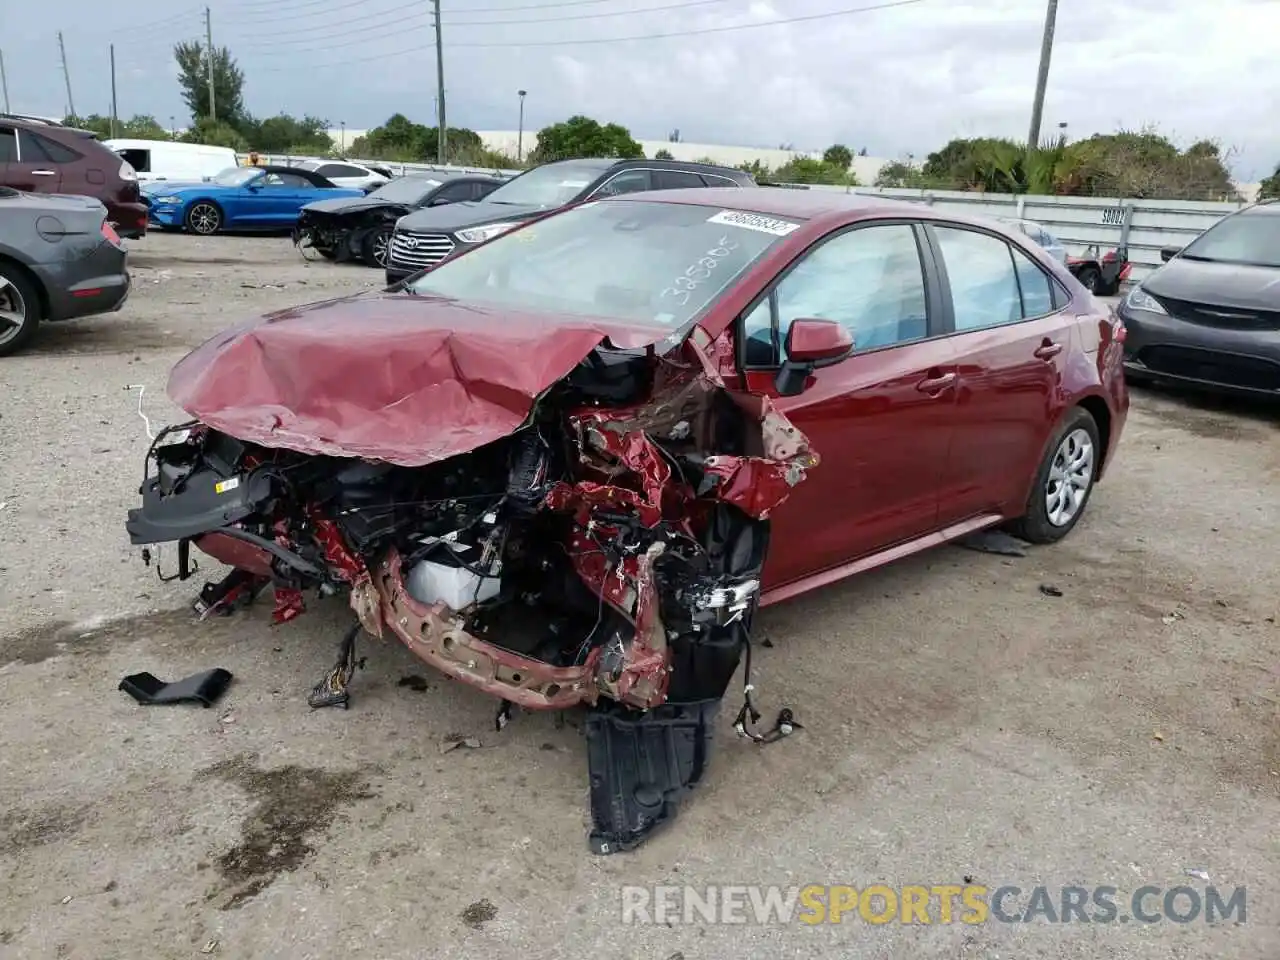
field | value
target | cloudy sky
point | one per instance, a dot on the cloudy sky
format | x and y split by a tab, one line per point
896	80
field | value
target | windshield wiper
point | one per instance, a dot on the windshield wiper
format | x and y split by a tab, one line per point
1198	258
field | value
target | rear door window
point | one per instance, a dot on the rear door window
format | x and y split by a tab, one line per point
38	149
675	180
711	180
8	145
1037	288
984	284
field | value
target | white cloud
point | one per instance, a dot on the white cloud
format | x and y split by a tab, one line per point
895	80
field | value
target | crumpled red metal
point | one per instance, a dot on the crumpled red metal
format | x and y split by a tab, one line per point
406	379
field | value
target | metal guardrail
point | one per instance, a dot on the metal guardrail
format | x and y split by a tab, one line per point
1144	226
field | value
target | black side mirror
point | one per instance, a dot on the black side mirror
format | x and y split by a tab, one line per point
810	344
1168	253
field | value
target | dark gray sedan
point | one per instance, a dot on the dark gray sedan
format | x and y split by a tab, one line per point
59	260
1210	317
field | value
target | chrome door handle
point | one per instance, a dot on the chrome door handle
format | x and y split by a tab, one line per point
43	173
936	385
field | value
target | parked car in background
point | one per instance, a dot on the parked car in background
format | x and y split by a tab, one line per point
1038	234
43	156
168	160
344	173
360	228
424	238
239	198
568	467
59	260
1210	316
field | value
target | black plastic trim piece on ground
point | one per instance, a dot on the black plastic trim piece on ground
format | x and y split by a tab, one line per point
641	766
203	688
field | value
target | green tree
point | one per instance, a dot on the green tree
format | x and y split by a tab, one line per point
288	135
758	169
193	77
899	175
838	155
581	136
399	138
216	134
1270	187
138	127
663	155
809	170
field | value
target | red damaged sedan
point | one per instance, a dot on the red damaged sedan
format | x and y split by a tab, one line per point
568	466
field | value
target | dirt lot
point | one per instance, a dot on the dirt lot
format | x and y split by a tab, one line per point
959	723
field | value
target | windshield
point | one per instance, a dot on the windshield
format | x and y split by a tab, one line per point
237	176
547	187
627	260
405	190
1252	239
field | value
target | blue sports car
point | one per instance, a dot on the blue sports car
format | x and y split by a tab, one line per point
239	198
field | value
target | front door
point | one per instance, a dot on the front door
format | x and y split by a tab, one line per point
880	420
1012	337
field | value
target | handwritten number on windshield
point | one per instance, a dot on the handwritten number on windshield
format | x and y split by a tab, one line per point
699	271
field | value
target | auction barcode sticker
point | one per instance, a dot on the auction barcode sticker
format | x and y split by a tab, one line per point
754	221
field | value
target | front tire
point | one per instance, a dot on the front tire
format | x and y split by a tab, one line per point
377	247
1091	279
19	310
204	218
1064	481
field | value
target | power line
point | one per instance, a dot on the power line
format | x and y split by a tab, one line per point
399	22
395	23
650	36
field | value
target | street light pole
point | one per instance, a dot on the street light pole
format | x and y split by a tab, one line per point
520	133
1042	78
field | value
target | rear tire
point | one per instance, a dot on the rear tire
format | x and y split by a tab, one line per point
1064	481
19	310
1091	279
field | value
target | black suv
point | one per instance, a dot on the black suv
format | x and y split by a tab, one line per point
424	238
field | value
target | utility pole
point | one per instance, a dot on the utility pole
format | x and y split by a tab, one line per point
4	83
66	75
442	136
1042	79
520	132
114	114
208	52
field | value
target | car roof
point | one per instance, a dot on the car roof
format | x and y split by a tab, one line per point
300	171
1266	207
801	204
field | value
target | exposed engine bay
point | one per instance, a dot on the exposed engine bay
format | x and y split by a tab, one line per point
607	553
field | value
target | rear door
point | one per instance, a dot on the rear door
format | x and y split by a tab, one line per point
881	419
1012	335
40	163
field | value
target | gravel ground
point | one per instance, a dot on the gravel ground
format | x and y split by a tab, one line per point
959	723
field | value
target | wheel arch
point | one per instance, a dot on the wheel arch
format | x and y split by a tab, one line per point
29	275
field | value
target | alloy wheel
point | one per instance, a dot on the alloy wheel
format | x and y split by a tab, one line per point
204	219
13	311
1070	476
381	247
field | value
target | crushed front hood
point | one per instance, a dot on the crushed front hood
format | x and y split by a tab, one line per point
405	379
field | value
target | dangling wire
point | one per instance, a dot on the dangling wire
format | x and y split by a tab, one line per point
749	716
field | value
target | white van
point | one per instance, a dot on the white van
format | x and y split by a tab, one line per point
167	160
